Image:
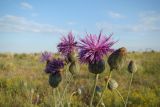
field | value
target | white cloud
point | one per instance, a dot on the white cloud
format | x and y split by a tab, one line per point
71	23
26	5
115	15
147	22
10	23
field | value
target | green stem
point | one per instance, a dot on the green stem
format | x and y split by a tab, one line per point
110	73
55	102
129	90
65	89
94	88
60	102
120	95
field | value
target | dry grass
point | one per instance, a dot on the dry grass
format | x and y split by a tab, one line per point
24	84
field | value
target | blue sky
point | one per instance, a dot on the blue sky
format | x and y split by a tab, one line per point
37	25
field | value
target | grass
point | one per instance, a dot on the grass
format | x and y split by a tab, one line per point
23	83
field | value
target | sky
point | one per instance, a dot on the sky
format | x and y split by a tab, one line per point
28	26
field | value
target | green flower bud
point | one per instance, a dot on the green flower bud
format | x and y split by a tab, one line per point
55	79
74	68
97	67
117	59
132	68
112	84
72	57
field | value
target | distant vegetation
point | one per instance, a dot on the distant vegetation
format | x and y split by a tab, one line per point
23	82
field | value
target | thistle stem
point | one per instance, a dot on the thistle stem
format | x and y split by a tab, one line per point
120	96
60	102
110	73
129	89
55	102
94	88
65	89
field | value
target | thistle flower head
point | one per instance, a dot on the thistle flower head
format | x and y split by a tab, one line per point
54	66
93	48
67	44
46	56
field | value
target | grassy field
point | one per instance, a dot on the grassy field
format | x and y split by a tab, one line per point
23	83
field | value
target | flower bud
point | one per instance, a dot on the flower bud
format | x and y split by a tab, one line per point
117	59
97	67
71	57
132	68
112	84
73	68
79	91
55	79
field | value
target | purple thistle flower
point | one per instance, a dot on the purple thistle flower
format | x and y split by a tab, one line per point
54	66
46	56
93	48
67	45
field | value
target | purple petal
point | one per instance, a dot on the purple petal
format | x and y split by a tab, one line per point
93	48
67	44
